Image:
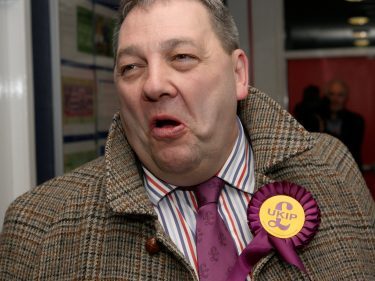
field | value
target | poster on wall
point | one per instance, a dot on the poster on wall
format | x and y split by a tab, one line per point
69	18
78	101
86	32
97	39
79	116
105	21
87	90
77	153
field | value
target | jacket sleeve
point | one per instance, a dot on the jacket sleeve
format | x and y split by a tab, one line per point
25	224
353	210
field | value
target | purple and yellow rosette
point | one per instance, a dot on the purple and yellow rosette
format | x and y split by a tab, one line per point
282	217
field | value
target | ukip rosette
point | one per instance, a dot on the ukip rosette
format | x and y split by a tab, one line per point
282	217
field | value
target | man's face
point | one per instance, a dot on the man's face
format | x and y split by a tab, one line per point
337	97
178	90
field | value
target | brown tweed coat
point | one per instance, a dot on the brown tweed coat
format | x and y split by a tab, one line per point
93	223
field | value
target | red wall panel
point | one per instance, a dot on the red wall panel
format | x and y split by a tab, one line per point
358	73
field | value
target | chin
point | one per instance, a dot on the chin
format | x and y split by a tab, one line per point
177	162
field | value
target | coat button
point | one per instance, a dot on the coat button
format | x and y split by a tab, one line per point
152	245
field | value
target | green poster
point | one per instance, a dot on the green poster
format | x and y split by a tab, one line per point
94	33
74	160
85	30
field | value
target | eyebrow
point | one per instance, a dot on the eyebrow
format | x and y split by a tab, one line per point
134	50
176	42
131	50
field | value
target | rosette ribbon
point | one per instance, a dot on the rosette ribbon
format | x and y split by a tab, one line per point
263	242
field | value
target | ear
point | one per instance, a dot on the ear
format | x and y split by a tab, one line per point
241	72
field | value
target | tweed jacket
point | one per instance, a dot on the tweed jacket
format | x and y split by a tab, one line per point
93	223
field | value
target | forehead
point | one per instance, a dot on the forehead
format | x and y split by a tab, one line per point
337	88
165	18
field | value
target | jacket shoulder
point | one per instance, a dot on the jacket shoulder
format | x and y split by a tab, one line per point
333	153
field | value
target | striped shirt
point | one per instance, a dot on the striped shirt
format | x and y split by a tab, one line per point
177	209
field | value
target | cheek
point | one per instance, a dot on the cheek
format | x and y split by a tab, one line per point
132	117
125	103
221	92
128	102
214	110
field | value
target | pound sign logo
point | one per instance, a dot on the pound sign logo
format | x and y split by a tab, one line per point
279	215
282	216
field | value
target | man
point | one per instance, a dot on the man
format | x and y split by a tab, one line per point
179	75
347	126
308	111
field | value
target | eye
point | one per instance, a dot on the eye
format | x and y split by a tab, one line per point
127	68
131	70
183	57
184	62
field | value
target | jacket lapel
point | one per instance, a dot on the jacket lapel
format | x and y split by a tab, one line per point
124	184
274	134
275	137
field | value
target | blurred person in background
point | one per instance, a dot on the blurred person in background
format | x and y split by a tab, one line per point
342	123
309	111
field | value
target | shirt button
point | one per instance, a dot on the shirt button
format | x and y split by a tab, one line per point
152	245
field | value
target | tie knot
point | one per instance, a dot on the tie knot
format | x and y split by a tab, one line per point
209	191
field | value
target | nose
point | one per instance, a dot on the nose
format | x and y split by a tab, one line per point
158	82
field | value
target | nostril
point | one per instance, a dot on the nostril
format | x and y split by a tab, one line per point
154	96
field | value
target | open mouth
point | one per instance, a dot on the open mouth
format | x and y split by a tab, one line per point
165	127
166	123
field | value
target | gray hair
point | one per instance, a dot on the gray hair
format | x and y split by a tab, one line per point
221	20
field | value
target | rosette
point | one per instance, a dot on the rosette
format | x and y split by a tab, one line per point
282	217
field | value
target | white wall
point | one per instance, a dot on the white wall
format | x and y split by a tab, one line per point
267	43
270	74
17	149
239	10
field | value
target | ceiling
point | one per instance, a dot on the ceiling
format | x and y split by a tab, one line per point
312	24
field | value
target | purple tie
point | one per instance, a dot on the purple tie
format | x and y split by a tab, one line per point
215	247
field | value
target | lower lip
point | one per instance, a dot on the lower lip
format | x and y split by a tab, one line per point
168	132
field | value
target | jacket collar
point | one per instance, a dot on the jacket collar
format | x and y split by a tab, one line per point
275	136
124	182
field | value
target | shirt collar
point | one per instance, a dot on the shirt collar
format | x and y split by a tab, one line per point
238	171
